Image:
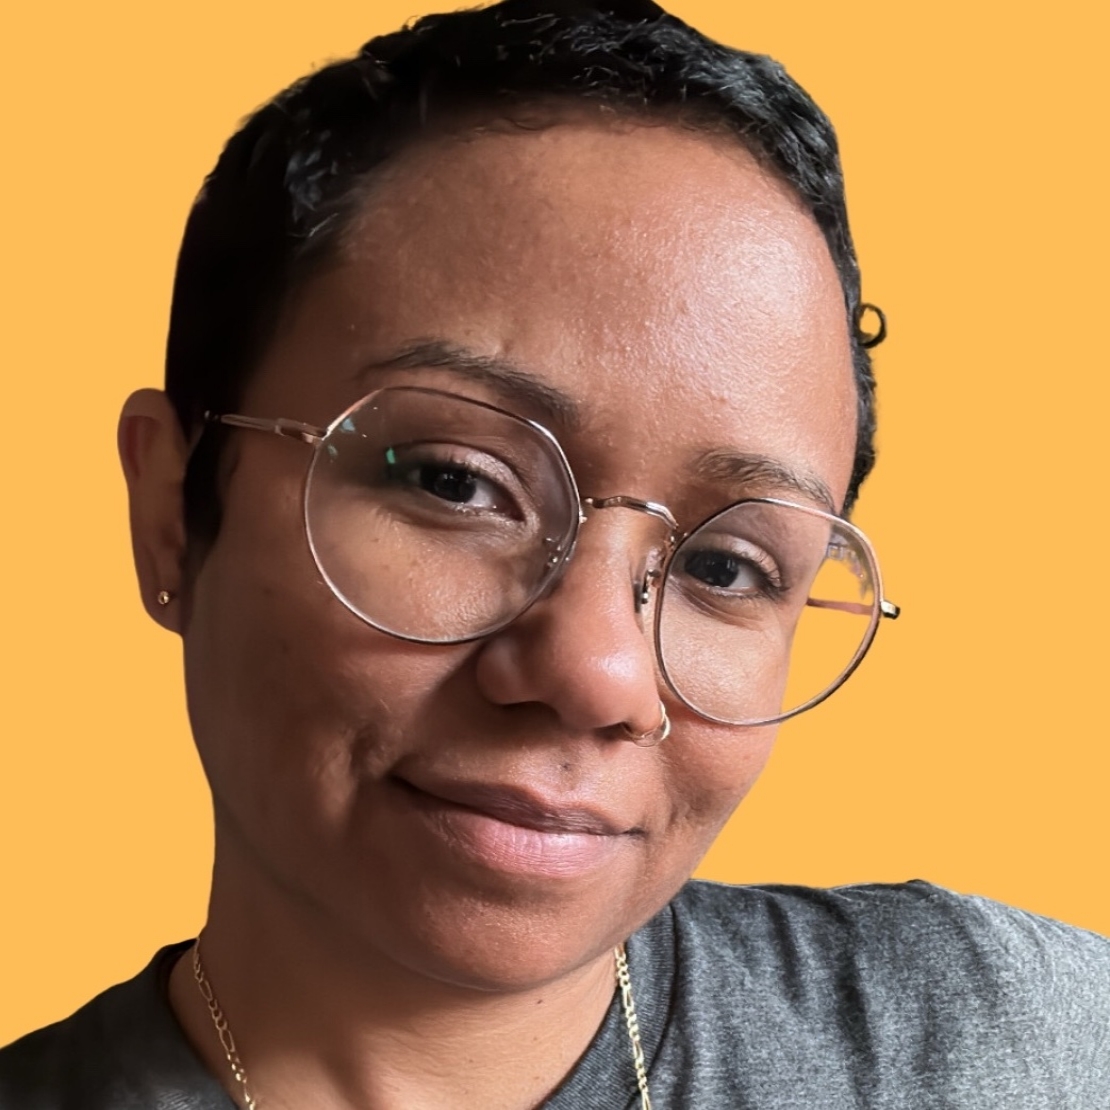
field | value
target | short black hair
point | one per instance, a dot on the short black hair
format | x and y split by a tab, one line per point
288	182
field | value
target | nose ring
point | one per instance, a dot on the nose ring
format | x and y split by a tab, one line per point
653	736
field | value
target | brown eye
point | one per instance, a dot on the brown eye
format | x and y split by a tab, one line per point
449	483
455	479
729	572
722	571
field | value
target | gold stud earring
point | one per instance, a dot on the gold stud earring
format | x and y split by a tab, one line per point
164	597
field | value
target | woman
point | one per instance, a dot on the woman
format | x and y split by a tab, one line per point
517	390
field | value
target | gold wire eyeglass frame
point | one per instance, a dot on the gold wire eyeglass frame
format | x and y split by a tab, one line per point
315	436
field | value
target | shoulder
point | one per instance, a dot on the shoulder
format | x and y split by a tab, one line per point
123	1050
965	993
911	922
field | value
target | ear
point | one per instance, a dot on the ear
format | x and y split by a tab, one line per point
154	454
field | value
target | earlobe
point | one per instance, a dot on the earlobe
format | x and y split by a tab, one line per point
154	455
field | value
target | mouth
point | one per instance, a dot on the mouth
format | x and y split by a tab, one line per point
509	829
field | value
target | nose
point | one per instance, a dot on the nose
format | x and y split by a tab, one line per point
585	650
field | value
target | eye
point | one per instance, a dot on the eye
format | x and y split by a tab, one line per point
729	569
453	483
462	480
723	571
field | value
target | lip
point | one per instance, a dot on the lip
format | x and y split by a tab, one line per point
511	829
520	806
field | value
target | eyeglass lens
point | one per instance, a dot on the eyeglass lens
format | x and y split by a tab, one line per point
441	519
765	609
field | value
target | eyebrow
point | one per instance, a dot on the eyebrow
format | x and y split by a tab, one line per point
499	373
761	472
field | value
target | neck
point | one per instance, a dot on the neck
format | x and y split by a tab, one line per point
329	1021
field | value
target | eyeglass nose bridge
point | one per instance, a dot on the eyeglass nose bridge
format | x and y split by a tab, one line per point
652	574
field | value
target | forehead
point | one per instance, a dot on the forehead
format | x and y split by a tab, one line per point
657	276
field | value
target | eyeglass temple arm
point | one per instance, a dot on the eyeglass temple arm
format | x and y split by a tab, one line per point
886	608
279	426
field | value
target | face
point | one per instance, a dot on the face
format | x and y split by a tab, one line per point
475	812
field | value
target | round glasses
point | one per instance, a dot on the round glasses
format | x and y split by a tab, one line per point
441	519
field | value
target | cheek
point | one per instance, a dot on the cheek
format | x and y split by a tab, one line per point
285	685
708	774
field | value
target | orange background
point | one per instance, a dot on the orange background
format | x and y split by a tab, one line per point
970	749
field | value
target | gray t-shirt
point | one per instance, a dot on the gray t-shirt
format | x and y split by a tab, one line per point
762	998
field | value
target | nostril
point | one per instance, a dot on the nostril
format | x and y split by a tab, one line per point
653	736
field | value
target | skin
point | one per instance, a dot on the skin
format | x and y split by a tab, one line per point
684	300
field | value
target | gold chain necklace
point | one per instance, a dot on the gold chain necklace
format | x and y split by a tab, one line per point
239	1073
223	1030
